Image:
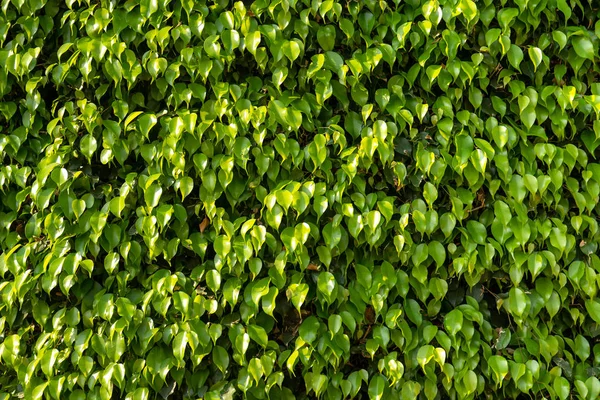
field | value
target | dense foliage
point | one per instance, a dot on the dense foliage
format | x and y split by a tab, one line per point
299	199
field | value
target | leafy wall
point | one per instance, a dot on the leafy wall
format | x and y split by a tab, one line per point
299	199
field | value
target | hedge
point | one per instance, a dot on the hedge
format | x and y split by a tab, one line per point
296	199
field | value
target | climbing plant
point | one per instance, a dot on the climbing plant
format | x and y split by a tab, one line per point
299	199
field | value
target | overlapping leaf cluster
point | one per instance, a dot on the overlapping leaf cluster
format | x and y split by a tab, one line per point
297	199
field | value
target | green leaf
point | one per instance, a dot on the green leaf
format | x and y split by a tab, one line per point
179	345
377	387
48	360
327	285
583	47
582	347
334	323
477	231
148	7
438	288
326	37
506	17
447	223
252	40
152	195
88	145
309	329
593	309
258	334
517	302
561	387
291	49
437	251
145	123
424	355
453	322
220	358
499	367
470	382
536	55
359	94
515	56
333	61
413	312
